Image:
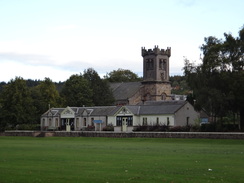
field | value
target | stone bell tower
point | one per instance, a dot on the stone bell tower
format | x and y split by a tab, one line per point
156	85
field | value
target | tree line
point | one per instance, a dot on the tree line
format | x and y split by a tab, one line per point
218	81
24	101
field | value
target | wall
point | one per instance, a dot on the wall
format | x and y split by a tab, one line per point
206	135
186	111
152	120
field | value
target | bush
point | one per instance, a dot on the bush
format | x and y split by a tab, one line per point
28	127
209	127
90	128
179	129
158	128
109	127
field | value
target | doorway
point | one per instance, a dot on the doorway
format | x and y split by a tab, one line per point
124	124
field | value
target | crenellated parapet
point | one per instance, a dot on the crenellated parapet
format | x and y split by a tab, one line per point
155	51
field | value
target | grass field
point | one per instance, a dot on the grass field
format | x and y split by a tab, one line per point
107	160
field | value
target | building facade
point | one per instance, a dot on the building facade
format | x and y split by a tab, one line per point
122	118
137	103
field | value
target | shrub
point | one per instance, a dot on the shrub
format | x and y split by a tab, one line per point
179	129
209	127
90	128
158	128
109	127
28	127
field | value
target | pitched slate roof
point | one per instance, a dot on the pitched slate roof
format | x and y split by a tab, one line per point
94	111
53	111
101	110
156	107
148	108
123	91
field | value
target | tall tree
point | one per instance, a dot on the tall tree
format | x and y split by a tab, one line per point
122	75
45	95
216	82
77	92
102	94
16	103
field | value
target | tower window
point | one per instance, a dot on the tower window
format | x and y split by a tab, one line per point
160	64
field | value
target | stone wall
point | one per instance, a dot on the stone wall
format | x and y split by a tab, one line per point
206	135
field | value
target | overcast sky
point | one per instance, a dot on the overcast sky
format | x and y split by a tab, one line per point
58	38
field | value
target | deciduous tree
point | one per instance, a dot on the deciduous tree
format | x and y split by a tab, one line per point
217	81
102	94
77	92
16	103
122	75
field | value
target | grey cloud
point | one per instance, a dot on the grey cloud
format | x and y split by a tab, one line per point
26	58
43	60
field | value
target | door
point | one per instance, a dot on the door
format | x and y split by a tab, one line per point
124	124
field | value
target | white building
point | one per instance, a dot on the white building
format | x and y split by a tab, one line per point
123	118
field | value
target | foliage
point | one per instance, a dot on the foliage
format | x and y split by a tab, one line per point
28	127
90	128
76	91
216	81
122	75
161	128
179	129
109	127
62	160
45	95
24	101
179	85
16	103
101	93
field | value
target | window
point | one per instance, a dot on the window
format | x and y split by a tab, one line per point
168	121
163	96
160	64
43	122
77	122
92	121
84	124
50	122
56	121
130	121
157	122
149	64
119	121
144	121
187	121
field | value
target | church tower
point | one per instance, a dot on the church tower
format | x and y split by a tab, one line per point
156	85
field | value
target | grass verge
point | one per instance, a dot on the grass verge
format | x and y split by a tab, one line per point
108	160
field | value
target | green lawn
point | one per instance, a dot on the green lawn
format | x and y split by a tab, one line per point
80	159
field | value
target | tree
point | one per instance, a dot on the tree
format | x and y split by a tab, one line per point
102	94
76	91
45	95
16	103
122	75
216	81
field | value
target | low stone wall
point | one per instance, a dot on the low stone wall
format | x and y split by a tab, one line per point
206	135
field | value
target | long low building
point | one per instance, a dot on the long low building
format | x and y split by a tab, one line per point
122	118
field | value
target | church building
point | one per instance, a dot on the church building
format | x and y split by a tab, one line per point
155	85
137	103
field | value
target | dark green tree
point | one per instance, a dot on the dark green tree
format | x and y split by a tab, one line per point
77	92
102	94
45	95
16	103
216	82
122	75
